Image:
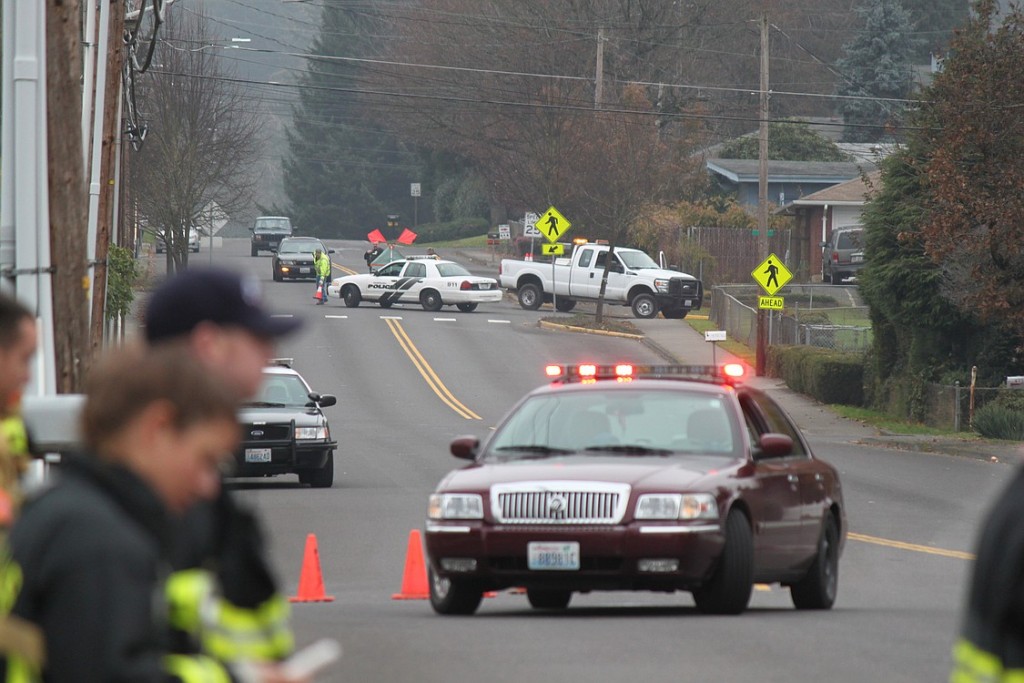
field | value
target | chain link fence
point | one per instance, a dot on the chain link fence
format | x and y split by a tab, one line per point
826	316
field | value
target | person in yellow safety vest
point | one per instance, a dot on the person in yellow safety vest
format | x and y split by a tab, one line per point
322	266
223	594
990	648
89	554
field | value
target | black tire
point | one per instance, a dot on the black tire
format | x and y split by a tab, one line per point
644	306
430	299
385	303
728	590
565	305
826	277
451	596
254	251
277	275
818	589
351	296
322	478
675	313
466	308
548	598
530	296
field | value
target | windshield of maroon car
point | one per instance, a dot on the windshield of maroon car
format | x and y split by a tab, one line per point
618	422
300	247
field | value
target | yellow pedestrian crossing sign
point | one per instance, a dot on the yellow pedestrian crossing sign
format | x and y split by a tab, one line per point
772	274
553	224
552	249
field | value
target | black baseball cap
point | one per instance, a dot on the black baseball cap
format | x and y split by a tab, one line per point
216	295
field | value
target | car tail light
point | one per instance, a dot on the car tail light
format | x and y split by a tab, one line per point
835	257
465	285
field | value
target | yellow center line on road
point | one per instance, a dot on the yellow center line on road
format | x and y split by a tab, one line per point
432	380
344	269
900	545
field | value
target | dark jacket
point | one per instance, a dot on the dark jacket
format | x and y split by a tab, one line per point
94	553
991	644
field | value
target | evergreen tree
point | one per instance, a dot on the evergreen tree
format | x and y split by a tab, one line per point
876	67
344	172
786	142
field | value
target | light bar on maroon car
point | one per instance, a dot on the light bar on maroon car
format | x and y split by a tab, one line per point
625	372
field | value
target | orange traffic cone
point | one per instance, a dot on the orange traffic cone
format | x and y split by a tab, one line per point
311	581
414	580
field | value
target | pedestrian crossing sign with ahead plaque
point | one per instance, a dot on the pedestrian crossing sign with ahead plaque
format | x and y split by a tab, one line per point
772	274
553	224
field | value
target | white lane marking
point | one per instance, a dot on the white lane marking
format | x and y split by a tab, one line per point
337	317
501	322
281	315
444	320
390	317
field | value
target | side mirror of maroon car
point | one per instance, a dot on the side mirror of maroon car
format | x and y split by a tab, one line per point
774	445
465	447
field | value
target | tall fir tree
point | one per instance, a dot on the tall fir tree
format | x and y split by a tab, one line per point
876	68
344	173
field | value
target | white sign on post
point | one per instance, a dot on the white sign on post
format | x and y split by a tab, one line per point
414	189
714	335
504	232
530	225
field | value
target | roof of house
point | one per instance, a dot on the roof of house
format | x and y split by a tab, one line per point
851	193
748	170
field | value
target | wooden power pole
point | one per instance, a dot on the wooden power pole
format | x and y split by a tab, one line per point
67	190
762	192
108	164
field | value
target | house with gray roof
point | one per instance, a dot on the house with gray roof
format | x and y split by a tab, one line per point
787	180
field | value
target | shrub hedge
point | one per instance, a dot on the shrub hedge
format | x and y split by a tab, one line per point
827	375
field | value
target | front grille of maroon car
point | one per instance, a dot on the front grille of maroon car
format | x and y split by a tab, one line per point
559	502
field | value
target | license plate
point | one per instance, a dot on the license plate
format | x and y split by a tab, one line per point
857	258
257	455
553	556
688	303
485	285
305	270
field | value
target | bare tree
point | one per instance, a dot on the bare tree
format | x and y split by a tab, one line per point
204	137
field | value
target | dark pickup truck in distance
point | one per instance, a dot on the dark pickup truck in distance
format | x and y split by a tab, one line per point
268	231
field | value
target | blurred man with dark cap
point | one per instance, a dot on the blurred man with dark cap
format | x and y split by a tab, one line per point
223	592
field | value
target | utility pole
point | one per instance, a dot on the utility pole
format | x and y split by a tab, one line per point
107	172
67	192
599	71
762	191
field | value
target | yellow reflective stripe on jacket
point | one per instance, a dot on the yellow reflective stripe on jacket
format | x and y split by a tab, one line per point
196	669
971	664
20	671
186	592
233	633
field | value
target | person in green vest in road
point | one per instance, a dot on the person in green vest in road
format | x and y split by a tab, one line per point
322	268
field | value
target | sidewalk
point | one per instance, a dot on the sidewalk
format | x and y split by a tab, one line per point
677	342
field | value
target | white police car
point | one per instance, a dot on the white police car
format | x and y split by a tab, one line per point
432	283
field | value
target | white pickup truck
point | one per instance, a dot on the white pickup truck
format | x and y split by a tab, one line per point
634	280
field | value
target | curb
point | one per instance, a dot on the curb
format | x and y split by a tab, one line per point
573	328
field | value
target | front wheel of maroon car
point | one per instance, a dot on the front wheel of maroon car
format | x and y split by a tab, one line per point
548	598
818	589
453	597
728	591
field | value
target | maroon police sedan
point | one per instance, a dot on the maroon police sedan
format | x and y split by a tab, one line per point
625	477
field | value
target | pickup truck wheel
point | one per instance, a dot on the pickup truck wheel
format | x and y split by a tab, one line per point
322	478
430	299
351	296
467	307
644	306
565	305
530	297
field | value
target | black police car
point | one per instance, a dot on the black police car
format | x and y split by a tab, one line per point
284	430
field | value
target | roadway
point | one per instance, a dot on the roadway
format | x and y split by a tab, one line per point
407	381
